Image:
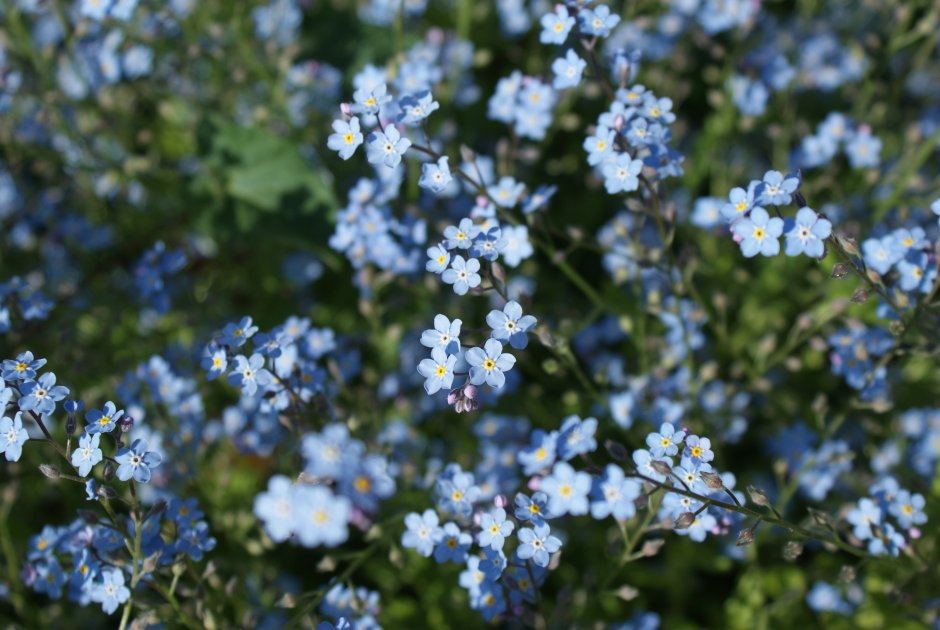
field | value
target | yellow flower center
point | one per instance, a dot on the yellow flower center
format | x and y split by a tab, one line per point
601	145
362	484
696	451
104	420
20	367
489	364
441	370
349	137
741	206
565	490
759	233
457	495
665	442
320	517
216	362
534	508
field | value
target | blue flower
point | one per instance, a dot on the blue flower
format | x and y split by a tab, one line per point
488	364
494	561
568	70
534	508
458	493
494	527
543	194
438	259
461	236
318	516
23	368
438	371
12	437
453	545
368	100
887	541
808	234
537	544
436	177
444	335
416	107
935	208
666	441
236	334
103	420
87	454
42	394
250	373
510	325
275	508
136	462
214	360
777	190
556	26
345	138
913	272
576	437
462	274
908	508
488	244
698	450
386	148
599	146
506	192
567	490
740	202
880	253
110	592
863	516
621	173
540	453
423	532
759	233
598	21
614	495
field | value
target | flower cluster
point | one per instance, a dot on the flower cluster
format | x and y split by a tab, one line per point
486	364
883	518
341	485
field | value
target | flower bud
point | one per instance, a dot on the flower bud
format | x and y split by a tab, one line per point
108	473
859	296
840	270
746	537
88	516
50	471
712	480
792	550
158	508
126	422
663	468
616	450
758	497
106	492
685	520
470	391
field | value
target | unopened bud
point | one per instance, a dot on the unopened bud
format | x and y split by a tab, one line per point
467	154
470	391
685	520
792	550
126	422
848	244
50	471
799	199
746	537
847	573
108	473
651	547
758	497
712	480
158	508
663	468
70	425
840	270
88	516
859	296
616	450
106	492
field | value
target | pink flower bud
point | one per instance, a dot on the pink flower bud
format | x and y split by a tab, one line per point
500	501
470	391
